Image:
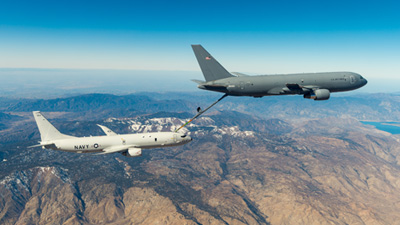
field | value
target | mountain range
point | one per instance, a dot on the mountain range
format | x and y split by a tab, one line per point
296	162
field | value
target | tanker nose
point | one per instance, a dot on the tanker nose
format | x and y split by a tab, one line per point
363	81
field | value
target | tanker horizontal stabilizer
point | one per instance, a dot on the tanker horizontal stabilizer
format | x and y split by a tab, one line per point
198	81
239	74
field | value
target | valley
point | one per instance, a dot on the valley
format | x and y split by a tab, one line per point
309	164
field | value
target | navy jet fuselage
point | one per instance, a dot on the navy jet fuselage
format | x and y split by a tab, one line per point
129	145
317	86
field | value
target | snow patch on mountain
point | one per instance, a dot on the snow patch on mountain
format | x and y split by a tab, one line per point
201	126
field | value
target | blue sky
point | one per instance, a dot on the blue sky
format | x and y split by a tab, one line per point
245	36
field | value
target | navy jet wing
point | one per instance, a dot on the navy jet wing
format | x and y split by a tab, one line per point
114	149
107	130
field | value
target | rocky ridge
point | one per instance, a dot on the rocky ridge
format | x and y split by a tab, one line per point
236	171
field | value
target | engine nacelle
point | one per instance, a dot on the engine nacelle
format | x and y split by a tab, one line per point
319	94
133	152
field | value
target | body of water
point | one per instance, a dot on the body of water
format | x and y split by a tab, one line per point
391	127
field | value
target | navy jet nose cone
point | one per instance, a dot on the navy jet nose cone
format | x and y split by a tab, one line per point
186	138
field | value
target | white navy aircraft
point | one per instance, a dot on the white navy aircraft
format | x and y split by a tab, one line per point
317	86
130	145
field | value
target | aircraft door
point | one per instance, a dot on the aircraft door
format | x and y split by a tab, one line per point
241	85
248	85
352	79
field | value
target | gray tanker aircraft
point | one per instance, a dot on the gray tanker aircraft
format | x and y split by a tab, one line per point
130	145
317	86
